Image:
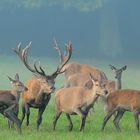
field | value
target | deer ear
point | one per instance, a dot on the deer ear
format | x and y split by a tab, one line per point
11	80
17	77
88	84
93	78
124	68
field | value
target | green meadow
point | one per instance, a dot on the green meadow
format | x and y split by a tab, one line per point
9	65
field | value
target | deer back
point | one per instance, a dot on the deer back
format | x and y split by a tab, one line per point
6	96
76	74
127	98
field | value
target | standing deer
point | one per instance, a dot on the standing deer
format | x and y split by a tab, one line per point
77	100
118	85
9	100
40	85
118	74
121	101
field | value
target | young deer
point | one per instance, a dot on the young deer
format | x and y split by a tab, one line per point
121	101
116	85
40	85
118	74
77	100
9	101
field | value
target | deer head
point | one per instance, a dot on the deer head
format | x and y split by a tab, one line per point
98	87
118	72
17	84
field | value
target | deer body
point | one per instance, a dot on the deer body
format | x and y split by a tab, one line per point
76	100
36	92
69	99
121	101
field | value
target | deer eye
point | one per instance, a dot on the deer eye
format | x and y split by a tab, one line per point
19	84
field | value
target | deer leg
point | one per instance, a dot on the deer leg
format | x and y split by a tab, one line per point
117	118
10	123
136	116
106	118
27	110
9	108
40	112
69	118
55	119
83	118
12	117
41	109
23	113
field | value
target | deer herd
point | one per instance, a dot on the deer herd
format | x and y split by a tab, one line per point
83	85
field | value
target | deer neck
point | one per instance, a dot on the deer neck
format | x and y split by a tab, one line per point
119	83
91	96
16	94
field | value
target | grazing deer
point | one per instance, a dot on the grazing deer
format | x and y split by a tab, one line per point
118	74
77	100
9	101
121	101
40	85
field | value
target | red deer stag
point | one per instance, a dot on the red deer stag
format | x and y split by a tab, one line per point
9	100
40	85
77	100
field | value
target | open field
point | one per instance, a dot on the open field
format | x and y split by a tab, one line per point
131	78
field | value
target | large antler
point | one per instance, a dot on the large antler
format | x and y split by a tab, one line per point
64	58
22	53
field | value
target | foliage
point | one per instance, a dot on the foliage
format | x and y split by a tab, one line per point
81	5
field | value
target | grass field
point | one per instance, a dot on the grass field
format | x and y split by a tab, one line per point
11	65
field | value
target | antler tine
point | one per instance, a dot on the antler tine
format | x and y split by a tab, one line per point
58	50
112	67
23	54
25	60
42	71
68	53
65	58
17	50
